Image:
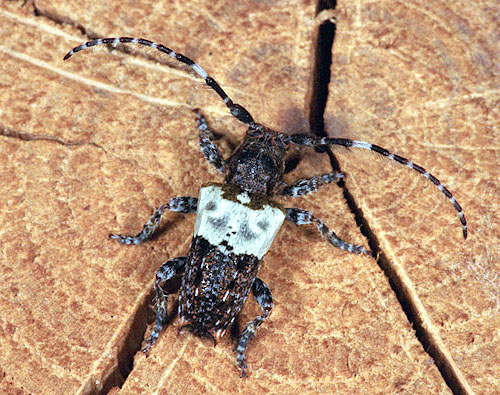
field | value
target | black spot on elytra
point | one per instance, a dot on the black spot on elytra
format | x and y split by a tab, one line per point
198	277
241	264
226	245
211	206
246	232
218	222
263	225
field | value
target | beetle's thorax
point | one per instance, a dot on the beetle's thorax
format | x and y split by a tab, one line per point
257	165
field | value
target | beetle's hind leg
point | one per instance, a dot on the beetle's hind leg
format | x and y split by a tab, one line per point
169	270
181	204
262	295
298	216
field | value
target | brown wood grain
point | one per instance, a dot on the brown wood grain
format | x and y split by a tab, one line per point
93	145
422	80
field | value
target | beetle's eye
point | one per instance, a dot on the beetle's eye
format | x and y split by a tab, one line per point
282	141
254	132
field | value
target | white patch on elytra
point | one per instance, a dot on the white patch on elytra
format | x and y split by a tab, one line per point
236	224
243	198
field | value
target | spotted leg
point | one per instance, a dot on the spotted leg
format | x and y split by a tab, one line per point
262	295
308	185
208	147
181	204
298	216
165	273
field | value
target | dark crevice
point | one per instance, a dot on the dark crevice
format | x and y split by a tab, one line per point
130	345
31	137
133	340
127	48
319	97
144	315
62	20
321	70
424	337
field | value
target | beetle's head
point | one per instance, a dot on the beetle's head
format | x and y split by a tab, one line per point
257	165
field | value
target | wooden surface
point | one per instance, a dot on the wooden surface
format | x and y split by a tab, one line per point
93	145
423	81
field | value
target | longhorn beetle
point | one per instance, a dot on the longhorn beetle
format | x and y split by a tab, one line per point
236	221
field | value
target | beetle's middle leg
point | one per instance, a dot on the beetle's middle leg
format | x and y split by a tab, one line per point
169	270
298	216
262	295
181	204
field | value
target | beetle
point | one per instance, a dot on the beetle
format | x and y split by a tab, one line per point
237	220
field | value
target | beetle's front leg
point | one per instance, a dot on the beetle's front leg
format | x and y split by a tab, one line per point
308	185
181	204
208	147
298	216
165	273
262	295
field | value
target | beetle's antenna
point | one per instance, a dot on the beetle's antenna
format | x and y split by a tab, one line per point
237	110
308	140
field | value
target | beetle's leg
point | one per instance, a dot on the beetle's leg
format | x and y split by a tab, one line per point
182	204
298	216
208	147
308	185
165	273
262	295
